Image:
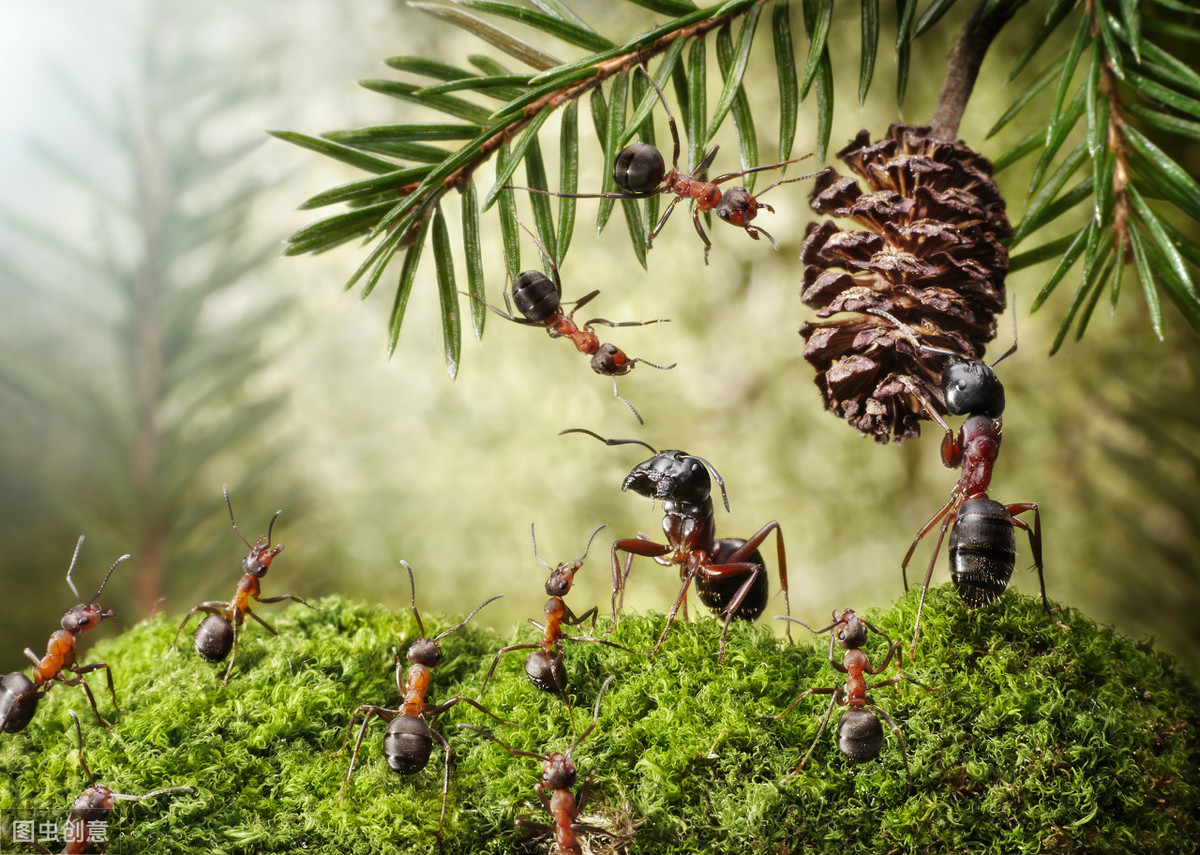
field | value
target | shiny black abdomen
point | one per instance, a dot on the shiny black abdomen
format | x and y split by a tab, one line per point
983	551
718	592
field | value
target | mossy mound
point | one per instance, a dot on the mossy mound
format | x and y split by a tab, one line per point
1038	740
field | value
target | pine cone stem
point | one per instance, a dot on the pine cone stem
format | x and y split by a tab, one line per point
964	62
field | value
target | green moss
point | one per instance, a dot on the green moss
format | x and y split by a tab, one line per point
1038	740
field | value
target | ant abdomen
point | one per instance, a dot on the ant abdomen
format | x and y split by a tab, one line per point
535	296
18	701
717	592
639	168
214	638
407	744
859	735
546	671
983	550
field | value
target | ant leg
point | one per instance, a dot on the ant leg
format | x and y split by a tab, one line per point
925	529
265	625
802	696
434	712
928	576
212	607
632	546
233	651
732	569
899	736
583	301
573	619
91	699
291	597
833	701
700	231
529	645
445	778
385	714
96	666
1035	544
33	657
781	557
729	176
662	221
680	600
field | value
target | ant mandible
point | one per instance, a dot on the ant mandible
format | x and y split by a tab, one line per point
544	666
859	731
218	633
94	806
559	775
641	172
408	741
19	696
539	300
983	545
730	573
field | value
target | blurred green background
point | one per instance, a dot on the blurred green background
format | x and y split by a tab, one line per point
154	345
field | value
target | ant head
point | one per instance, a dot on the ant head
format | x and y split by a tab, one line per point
563	576
738	206
558	772
425	651
535	295
611	361
675	476
639	168
261	554
82	617
851	632
972	387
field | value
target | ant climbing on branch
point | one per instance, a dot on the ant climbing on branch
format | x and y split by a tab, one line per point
729	573
559	775
859	731
19	696
408	741
641	172
539	300
94	806
218	633
983	545
544	666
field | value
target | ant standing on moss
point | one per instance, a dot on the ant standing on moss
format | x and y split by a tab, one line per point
559	775
19	695
730	574
94	806
218	633
408	741
859	731
641	172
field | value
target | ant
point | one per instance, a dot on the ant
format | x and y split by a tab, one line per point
94	805
539	300
730	573
859	731
19	696
408	741
544	666
983	545
218	633
558	776
641	172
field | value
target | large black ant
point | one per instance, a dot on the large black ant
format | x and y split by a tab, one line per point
218	633
19	695
544	666
983	546
641	172
730	574
559	775
408	742
539	299
859	731
90	813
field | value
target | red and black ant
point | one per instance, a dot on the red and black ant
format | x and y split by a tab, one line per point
408	741
983	545
89	815
19	695
218	633
641	172
539	300
558	776
544	666
859	731
730	574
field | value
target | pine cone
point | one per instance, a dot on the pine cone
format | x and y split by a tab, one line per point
932	259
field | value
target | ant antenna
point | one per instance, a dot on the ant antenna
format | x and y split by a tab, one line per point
578	559
74	558
595	435
228	504
413	586
1012	349
717	475
100	590
79	739
595	717
464	621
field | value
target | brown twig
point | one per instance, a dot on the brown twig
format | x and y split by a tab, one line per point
964	62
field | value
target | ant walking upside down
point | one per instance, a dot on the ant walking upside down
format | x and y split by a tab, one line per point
19	695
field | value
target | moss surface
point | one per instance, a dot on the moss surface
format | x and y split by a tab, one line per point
1039	740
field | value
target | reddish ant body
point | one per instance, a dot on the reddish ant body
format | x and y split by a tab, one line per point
641	172
93	807
730	574
539	300
983	545
544	666
408	741
859	731
19	695
218	633
559	775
